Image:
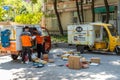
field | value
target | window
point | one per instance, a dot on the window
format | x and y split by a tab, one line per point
75	18
54	22
102	16
112	30
87	1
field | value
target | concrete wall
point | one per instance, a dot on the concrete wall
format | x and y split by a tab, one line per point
101	2
66	10
66	19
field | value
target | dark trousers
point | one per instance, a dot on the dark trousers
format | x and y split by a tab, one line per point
40	49
26	51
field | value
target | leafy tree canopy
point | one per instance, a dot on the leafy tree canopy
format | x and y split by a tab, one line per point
26	11
30	18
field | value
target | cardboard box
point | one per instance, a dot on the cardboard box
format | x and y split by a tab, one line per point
51	61
45	57
85	65
74	62
95	60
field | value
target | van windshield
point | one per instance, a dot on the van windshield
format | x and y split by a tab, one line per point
112	30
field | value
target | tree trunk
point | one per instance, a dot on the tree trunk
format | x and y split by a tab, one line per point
58	18
93	11
107	11
78	11
82	11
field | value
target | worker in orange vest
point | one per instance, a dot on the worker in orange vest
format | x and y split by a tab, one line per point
26	39
40	41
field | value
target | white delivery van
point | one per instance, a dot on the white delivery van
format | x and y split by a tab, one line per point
81	34
10	38
95	37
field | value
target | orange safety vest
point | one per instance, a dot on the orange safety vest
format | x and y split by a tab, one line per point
39	39
26	41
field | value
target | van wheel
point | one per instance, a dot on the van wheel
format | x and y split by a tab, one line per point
80	49
14	57
117	50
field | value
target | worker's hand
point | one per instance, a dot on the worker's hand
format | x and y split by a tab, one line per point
33	37
31	49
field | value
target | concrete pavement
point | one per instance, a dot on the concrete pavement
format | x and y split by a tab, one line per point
109	69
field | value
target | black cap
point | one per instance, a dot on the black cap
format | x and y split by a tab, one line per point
26	27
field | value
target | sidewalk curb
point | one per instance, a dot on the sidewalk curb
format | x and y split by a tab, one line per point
63	45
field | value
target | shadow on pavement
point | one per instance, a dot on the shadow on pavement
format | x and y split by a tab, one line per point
107	70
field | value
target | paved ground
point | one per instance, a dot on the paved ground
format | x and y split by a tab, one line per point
109	69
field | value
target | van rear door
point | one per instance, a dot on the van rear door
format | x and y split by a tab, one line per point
47	44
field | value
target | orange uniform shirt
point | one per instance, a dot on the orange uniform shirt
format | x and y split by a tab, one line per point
39	39
26	41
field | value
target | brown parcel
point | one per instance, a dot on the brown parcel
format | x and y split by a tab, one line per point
45	57
95	60
74	62
51	61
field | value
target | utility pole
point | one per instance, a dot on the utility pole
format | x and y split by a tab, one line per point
118	17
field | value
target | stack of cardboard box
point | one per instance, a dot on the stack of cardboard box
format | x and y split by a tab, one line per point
45	57
95	60
78	62
74	62
85	63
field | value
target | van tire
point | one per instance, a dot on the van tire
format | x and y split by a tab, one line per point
117	50
14	57
80	49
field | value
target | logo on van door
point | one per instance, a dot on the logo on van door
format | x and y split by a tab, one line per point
79	29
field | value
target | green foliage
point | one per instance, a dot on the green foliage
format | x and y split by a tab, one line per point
59	38
21	11
30	18
34	1
1	14
32	6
